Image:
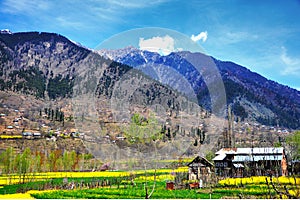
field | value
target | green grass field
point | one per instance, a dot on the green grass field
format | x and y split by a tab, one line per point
128	192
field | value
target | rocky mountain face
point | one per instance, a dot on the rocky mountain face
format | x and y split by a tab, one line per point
51	67
40	64
48	65
250	95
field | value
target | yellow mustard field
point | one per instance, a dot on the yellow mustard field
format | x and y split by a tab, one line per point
26	195
180	169
10	136
258	180
13	178
163	177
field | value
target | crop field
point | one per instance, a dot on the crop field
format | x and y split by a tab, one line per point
15	178
260	187
10	136
255	189
139	184
131	192
256	180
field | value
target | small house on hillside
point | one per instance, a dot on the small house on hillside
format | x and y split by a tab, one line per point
240	162
199	170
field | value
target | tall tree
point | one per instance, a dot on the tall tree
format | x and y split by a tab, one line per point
293	142
7	159
23	163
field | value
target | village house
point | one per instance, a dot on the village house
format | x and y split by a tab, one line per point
200	170
242	162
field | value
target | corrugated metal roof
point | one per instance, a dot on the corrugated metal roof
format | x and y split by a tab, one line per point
225	151
220	157
247	154
255	150
256	158
264	150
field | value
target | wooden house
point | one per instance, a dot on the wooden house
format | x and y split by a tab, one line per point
241	162
199	170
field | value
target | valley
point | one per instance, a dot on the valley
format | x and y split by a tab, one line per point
67	109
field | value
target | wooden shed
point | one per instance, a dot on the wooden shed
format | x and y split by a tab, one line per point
200	170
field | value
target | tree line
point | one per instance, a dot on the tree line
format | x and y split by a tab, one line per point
29	162
54	115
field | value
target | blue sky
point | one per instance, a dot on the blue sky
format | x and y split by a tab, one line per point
262	35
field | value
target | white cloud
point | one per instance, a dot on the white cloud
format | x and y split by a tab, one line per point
162	45
201	36
292	65
24	6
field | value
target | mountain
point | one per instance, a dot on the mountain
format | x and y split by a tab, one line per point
51	67
48	65
251	96
40	64
100	95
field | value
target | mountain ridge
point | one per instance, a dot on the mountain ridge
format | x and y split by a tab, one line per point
245	90
49	66
44	64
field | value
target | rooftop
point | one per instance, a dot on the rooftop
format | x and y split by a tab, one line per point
255	150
